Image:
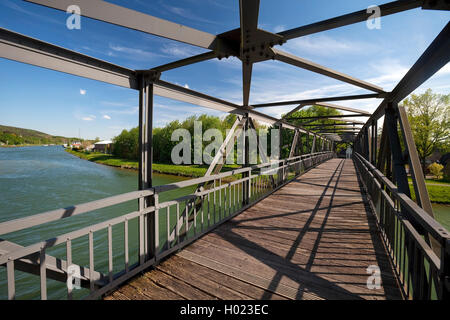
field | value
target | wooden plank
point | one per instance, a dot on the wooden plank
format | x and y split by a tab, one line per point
264	283
180	287
232	283
149	290
311	239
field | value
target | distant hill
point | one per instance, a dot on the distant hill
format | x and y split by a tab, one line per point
19	136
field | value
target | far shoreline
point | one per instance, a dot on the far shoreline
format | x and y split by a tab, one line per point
188	171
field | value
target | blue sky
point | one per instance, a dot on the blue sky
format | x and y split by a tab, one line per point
62	104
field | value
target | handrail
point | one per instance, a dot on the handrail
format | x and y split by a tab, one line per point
424	219
211	213
50	216
421	272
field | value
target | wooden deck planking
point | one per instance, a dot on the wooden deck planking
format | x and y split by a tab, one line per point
312	239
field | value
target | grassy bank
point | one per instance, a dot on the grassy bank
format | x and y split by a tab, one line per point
435	181
178	170
438	194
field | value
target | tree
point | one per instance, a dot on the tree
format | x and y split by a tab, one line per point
428	115
436	169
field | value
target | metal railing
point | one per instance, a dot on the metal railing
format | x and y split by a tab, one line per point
421	263
178	222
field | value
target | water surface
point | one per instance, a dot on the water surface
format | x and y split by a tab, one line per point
38	179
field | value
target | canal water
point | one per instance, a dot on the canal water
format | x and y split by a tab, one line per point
38	179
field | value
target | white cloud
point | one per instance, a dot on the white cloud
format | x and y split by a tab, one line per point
105	116
133	53
179	50
88	118
186	13
186	86
326	46
126	111
82	92
279	28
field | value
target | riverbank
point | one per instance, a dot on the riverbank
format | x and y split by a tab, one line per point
193	171
438	194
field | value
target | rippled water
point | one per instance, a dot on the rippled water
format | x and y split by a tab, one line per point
38	179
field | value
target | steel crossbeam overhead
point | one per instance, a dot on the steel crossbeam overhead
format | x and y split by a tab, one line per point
330	125
314	67
179	63
351	18
339	130
334	106
327	117
18	47
348	121
124	17
318	100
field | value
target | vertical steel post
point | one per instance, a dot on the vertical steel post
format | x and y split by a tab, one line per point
313	148
148	232
246	184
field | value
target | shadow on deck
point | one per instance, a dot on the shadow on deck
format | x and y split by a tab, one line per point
312	239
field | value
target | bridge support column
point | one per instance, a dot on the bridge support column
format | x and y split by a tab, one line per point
246	184
148	224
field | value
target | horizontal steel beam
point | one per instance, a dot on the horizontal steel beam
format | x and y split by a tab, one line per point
351	18
18	47
334	106
329	125
124	17
185	62
318	100
314	67
328	117
348	120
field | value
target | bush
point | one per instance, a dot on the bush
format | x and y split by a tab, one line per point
436	169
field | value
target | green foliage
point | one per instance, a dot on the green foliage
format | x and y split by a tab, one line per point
126	144
436	169
20	136
437	194
428	115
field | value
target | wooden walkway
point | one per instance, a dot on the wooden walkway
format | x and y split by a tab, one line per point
312	239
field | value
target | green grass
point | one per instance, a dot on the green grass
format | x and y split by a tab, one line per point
439	194
440	181
179	170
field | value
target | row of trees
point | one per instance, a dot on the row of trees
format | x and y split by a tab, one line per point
10	138
126	144
428	115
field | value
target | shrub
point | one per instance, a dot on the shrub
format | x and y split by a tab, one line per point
436	169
